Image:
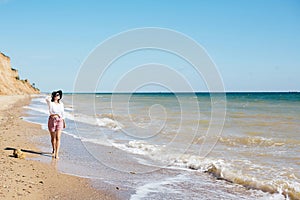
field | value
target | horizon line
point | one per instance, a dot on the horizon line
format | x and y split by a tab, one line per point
180	92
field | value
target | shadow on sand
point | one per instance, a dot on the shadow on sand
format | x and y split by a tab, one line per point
31	151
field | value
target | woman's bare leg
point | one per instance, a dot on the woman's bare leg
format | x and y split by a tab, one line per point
57	143
53	142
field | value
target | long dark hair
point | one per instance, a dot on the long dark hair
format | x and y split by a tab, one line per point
54	93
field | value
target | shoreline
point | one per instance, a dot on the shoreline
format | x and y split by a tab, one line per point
28	178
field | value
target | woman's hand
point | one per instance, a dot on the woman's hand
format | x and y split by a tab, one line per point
64	123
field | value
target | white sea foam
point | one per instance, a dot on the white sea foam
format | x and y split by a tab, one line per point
160	186
139	147
37	109
110	123
39	99
73	135
97	141
91	120
69	109
229	171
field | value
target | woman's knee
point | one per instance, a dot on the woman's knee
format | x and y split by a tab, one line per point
57	138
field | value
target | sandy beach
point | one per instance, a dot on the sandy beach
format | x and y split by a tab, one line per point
27	178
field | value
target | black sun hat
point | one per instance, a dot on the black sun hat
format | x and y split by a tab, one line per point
57	92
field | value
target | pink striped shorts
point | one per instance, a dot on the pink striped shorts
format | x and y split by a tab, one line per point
55	123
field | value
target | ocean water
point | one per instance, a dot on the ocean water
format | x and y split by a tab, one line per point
181	146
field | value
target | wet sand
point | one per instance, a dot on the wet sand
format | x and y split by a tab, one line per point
28	178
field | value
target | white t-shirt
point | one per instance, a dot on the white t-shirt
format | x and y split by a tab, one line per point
56	108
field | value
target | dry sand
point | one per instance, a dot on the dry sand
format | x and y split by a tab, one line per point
29	179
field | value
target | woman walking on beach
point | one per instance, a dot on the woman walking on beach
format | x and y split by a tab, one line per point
56	120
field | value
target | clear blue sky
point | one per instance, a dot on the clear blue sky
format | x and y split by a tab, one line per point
255	44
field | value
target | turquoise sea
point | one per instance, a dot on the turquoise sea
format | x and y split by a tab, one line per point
180	146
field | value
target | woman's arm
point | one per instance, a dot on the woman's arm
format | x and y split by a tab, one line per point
48	100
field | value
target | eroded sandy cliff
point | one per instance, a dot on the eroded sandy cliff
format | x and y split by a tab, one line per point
10	83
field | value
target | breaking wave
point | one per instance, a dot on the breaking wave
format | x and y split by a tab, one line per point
223	170
288	186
